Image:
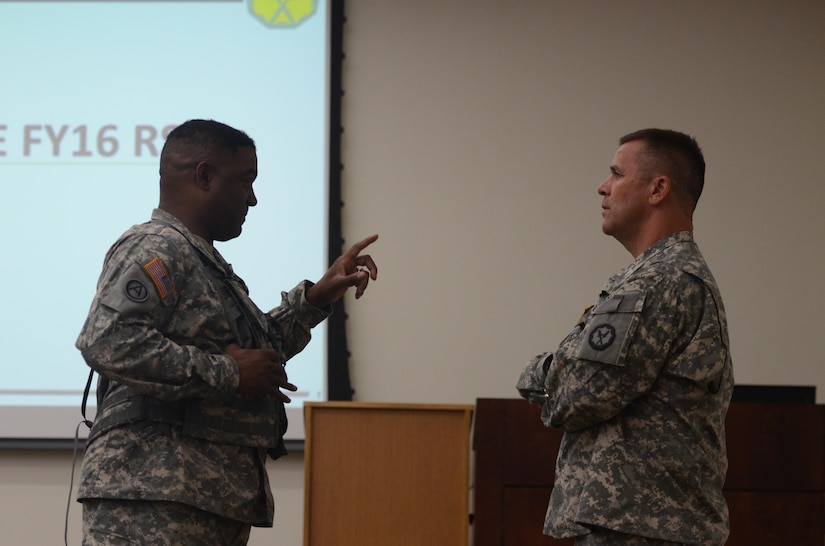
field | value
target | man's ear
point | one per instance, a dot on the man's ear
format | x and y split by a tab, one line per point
660	188
203	174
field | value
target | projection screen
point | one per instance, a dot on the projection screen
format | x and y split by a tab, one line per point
89	90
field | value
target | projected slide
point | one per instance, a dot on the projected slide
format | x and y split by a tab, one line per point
89	90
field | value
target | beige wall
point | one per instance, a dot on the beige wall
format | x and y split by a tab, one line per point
476	134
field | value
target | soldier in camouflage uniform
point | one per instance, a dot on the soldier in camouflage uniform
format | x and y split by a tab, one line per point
191	371
642	384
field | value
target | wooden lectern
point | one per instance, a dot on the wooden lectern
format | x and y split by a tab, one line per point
386	474
775	484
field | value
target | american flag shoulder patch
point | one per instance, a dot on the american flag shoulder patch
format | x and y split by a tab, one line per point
160	277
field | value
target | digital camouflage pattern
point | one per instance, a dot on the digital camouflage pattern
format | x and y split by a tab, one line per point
158	325
641	387
604	537
127	523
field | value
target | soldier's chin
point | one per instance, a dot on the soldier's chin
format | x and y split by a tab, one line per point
228	236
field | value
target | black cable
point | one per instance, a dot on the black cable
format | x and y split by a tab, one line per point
88	423
71	479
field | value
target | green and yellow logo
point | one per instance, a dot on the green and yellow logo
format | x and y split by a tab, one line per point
282	13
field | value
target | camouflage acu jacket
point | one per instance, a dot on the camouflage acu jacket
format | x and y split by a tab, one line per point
158	325
641	387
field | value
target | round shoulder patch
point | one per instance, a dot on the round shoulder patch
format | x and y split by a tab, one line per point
136	291
602	337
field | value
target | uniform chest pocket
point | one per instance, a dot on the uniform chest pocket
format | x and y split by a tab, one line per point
609	328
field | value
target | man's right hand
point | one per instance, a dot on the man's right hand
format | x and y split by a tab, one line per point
261	372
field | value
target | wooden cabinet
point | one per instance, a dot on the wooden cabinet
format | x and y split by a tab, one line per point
387	474
775	485
515	457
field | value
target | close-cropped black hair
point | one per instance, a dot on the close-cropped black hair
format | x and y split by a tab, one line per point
207	134
196	139
678	154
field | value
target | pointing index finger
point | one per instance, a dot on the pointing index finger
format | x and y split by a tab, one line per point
356	249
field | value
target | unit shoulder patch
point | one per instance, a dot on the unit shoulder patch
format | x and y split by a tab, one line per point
602	337
610	326
136	291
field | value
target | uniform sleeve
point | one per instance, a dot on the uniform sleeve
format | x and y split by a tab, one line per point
618	351
295	317
531	381
127	336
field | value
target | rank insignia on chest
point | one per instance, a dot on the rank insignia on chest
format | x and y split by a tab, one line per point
160	277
